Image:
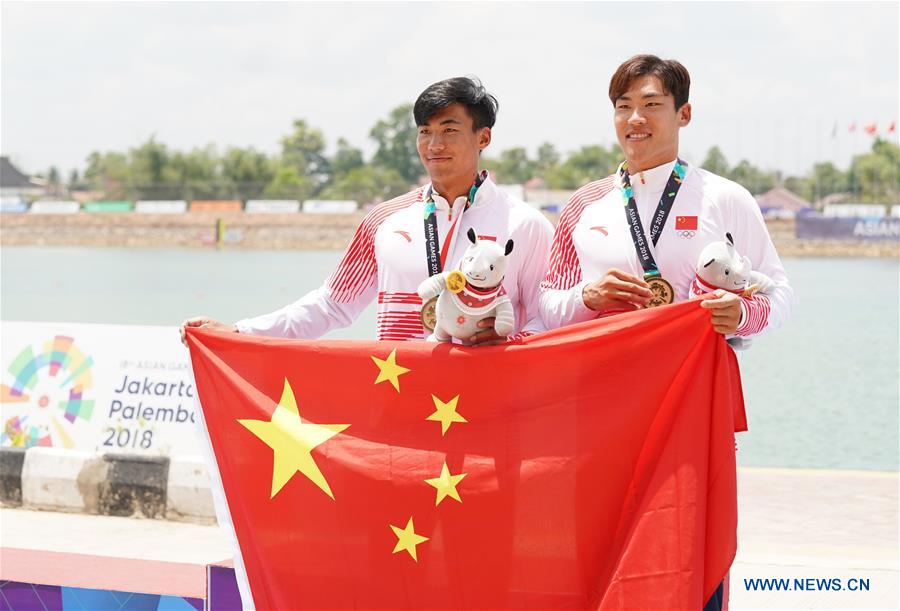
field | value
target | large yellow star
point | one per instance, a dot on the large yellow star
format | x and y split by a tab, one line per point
446	485
292	441
445	413
407	539
389	370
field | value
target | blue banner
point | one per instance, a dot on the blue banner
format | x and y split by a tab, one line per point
815	227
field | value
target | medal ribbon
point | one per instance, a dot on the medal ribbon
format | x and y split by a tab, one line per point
659	218
435	261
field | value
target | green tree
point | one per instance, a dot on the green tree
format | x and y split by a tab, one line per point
346	159
191	175
148	163
396	139
752	178
53	180
874	176
801	185
826	179
247	172
289	183
547	159
74	179
304	150
715	162
109	173
584	165
366	184
514	166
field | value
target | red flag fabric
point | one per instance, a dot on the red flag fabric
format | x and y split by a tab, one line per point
591	466
871	128
685	222
892	127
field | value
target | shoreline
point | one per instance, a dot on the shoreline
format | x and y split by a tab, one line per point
299	232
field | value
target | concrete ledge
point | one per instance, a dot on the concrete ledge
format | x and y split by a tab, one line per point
134	484
188	493
62	480
106	484
11	462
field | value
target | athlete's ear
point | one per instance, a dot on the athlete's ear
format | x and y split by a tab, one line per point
509	246
471	235
684	115
484	138
708	263
730	239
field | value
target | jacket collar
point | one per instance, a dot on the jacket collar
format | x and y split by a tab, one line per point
485	194
651	180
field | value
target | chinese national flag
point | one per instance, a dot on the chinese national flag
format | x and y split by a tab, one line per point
685	222
587	467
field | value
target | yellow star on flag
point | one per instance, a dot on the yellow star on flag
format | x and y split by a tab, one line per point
292	442
445	413
407	539
446	485
389	370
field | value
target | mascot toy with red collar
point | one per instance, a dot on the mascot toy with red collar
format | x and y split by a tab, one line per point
471	293
721	267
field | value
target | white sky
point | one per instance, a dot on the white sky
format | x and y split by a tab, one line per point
770	80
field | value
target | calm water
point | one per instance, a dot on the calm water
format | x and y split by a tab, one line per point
821	393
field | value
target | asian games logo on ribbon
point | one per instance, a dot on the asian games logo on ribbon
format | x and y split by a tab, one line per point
47	394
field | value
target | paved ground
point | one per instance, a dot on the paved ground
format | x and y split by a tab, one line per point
800	524
794	525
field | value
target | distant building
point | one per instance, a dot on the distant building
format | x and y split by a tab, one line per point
781	203
855	210
551	200
515	191
16	185
833	198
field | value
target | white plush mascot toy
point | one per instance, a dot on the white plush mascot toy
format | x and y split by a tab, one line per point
721	267
471	293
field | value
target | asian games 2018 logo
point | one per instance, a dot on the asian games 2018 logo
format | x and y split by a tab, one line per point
48	395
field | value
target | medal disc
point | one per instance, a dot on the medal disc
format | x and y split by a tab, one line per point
455	282
662	292
428	315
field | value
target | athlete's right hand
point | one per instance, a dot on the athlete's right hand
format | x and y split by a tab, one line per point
616	290
206	323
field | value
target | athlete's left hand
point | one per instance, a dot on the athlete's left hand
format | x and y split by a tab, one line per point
487	336
725	309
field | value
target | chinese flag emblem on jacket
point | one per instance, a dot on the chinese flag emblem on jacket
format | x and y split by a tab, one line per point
587	467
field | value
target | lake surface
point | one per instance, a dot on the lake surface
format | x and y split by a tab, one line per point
821	392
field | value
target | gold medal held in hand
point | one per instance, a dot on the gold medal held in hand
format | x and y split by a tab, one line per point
428	314
662	291
455	281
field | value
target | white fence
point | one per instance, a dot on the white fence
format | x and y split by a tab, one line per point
171	206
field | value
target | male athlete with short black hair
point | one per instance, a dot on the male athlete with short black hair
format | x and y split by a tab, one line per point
633	239
623	239
403	241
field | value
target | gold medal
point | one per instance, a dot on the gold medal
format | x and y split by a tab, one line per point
429	315
662	291
455	281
